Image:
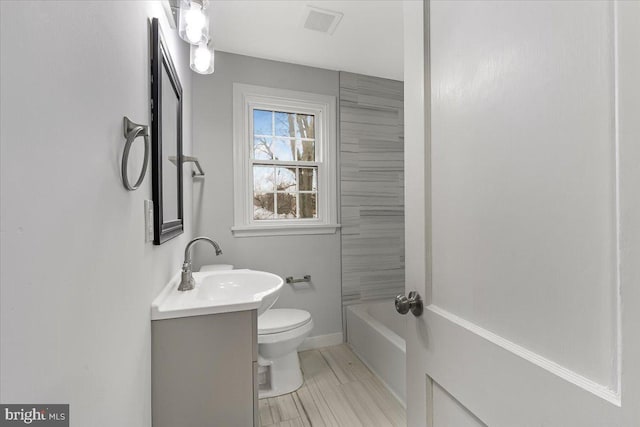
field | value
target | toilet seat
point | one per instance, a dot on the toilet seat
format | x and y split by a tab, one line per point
291	334
277	320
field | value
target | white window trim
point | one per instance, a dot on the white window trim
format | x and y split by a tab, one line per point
245	99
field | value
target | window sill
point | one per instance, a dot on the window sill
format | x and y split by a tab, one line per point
283	229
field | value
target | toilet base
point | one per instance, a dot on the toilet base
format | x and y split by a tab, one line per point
284	376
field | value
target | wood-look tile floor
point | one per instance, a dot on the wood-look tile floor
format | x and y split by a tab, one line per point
338	390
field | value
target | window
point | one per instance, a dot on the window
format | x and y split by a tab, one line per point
284	162
284	167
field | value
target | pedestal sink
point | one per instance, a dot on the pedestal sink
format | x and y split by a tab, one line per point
218	292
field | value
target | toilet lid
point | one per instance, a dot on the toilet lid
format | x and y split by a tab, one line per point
281	319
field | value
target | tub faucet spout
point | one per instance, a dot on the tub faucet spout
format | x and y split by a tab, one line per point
187	282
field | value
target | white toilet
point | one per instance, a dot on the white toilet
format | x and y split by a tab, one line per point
280	333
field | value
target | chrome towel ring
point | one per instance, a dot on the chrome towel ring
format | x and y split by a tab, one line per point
131	132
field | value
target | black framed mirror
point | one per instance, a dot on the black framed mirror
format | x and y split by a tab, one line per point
166	141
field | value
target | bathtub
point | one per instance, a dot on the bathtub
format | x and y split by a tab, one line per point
376	332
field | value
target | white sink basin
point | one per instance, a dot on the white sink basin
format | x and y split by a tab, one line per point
218	292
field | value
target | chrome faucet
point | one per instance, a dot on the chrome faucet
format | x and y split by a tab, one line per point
187	283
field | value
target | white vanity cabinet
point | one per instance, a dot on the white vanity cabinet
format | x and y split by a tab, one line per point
203	370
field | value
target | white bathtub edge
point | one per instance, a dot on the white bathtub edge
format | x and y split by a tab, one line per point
389	367
379	327
384	383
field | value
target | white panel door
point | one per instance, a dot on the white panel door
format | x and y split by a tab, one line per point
523	212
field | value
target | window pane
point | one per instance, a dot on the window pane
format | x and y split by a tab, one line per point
262	122
263	179
308	205
285	124
263	148
306	151
308	179
263	204
286	179
305	126
286	206
283	149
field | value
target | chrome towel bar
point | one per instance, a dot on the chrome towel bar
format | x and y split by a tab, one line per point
190	159
290	280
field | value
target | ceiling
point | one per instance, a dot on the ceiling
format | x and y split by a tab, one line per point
368	39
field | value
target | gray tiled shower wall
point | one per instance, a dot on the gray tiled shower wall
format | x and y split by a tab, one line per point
371	187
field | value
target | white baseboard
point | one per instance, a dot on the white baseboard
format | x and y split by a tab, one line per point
320	341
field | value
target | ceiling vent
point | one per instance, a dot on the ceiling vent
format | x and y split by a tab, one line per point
322	20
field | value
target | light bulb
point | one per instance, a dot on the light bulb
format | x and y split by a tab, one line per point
193	22
202	58
193	33
195	17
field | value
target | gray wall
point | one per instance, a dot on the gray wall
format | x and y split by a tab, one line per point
372	187
319	255
77	278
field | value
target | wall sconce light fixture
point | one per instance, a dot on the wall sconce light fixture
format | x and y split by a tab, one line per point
193	21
